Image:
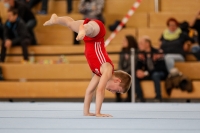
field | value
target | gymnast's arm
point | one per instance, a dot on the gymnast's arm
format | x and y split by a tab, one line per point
88	95
106	70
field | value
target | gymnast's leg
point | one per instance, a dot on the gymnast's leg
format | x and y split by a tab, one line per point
90	29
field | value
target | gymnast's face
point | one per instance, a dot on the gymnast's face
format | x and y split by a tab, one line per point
113	85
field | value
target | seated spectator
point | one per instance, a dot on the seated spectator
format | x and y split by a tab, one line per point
124	61
173	42
25	14
150	66
44	8
15	34
1	29
193	34
195	23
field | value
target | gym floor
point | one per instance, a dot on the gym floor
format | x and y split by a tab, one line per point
60	117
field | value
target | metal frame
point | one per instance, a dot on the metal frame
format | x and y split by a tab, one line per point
133	74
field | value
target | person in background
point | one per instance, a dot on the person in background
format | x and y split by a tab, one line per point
1	29
44	8
1	33
15	34
124	61
193	34
69	6
195	23
25	14
91	9
150	66
174	43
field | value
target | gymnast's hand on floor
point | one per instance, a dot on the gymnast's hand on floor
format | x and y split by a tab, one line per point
81	33
103	115
52	21
89	114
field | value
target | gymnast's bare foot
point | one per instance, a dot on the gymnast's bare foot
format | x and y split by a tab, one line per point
52	21
81	33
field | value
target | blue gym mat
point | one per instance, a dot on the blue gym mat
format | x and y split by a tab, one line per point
127	118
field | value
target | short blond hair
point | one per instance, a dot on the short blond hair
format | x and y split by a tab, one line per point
125	80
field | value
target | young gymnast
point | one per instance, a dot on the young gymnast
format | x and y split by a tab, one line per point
93	32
